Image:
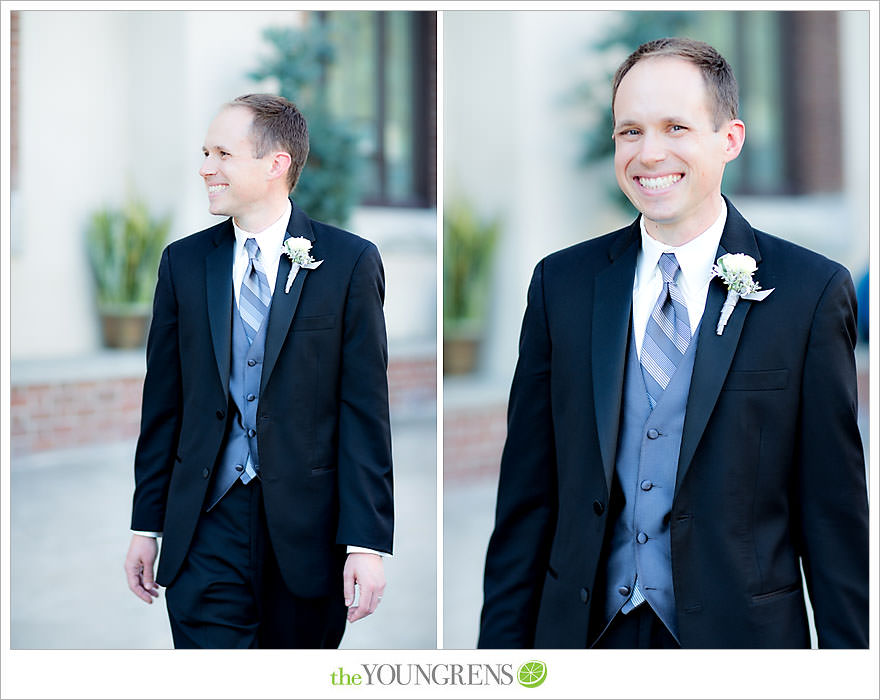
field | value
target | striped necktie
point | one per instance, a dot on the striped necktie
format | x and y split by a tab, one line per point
255	296
667	334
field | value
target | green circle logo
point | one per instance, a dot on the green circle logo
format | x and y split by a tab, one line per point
532	673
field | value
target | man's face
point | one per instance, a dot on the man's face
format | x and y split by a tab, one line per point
668	158
238	183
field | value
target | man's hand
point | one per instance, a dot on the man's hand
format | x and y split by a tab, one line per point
368	572
139	567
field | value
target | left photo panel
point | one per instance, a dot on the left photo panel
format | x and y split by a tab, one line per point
223	355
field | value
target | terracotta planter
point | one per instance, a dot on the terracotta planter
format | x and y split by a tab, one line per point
461	349
125	327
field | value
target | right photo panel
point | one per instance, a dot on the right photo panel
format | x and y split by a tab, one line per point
655	329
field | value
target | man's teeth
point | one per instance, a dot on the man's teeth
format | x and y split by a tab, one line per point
657	183
217	188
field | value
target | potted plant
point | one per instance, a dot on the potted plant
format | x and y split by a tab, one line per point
468	245
124	247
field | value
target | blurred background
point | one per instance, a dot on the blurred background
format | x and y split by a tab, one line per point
108	114
528	170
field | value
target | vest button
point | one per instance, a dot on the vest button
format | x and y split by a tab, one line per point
239	468
251	397
646	485
251	432
251	363
598	507
221	415
206	473
653	434
585	595
641	538
623	590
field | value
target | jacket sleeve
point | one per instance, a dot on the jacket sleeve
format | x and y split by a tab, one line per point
525	515
160	414
831	486
366	509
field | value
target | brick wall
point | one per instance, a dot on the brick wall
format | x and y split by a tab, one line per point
55	416
472	441
64	414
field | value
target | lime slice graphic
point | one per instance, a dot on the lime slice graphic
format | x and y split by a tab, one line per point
532	673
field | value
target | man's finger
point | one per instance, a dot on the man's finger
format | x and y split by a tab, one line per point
348	587
148	583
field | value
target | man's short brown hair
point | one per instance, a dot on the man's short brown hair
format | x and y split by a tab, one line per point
717	73
277	124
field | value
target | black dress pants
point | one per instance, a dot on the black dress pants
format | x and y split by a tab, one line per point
230	594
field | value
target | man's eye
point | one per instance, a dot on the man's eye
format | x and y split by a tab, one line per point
678	127
629	132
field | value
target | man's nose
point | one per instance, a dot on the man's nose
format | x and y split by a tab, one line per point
653	149
208	167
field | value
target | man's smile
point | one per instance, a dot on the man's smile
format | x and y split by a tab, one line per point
658	183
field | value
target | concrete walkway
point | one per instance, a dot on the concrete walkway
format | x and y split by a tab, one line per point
69	519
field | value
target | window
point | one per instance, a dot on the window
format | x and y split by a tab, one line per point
786	64
383	83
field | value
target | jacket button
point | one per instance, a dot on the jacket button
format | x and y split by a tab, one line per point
598	507
251	432
642	537
646	485
221	415
653	434
585	595
239	468
623	590
251	363
206	473
251	397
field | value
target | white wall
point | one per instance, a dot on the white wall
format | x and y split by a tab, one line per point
512	140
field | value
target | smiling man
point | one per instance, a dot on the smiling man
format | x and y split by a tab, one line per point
264	459
667	473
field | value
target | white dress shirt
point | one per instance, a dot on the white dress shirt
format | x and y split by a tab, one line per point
269	240
696	258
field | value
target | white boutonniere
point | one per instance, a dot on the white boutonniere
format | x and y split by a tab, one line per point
297	250
736	270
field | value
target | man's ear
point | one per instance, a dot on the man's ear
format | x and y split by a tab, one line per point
734	138
281	161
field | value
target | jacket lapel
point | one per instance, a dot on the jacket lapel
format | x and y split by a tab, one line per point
612	310
714	352
284	304
218	284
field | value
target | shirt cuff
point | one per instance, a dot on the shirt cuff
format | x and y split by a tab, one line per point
146	533
352	549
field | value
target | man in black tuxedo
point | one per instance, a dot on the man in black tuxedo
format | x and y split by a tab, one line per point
264	459
667	472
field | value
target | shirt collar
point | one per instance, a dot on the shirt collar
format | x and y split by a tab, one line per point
269	239
695	257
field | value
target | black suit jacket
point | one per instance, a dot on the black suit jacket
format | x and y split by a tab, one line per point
322	426
771	471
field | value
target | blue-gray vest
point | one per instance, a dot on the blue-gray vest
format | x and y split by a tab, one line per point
245	370
647	462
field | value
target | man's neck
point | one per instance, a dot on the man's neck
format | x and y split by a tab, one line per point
262	217
678	234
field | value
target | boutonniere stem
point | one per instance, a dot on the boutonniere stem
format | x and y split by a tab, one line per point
297	249
736	270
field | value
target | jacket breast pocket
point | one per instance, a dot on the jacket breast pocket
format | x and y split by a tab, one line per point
314	323
757	380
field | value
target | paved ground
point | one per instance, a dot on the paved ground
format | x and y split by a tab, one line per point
469	512
69	534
